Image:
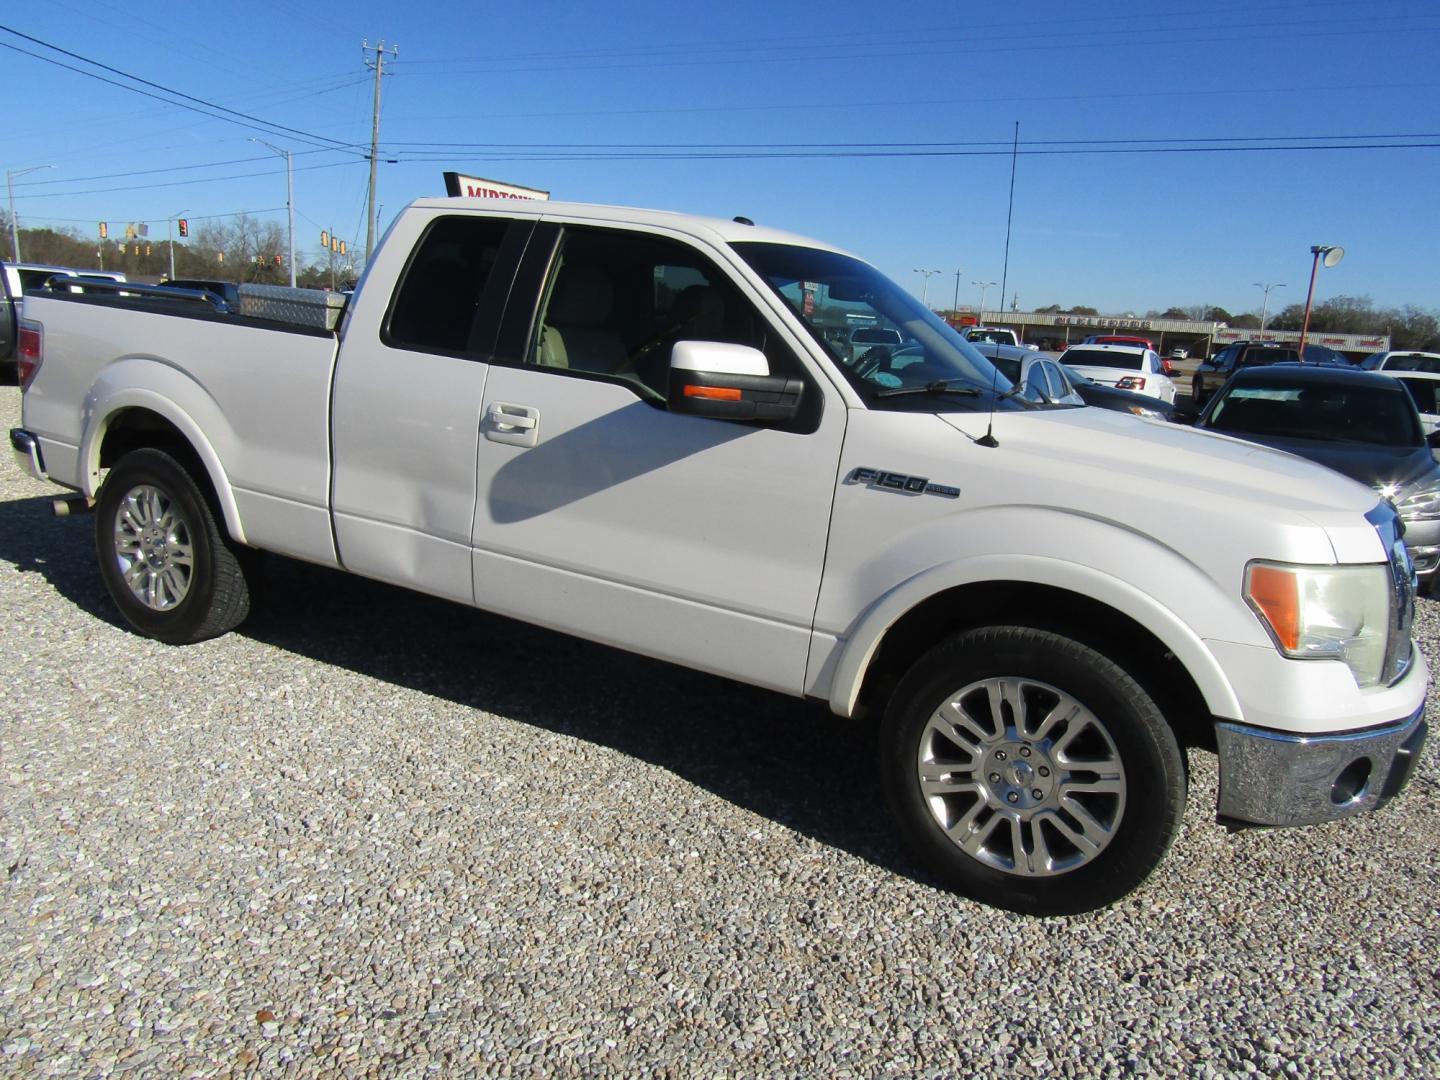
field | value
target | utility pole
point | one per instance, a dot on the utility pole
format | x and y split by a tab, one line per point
1265	307
10	175
289	197
379	66
925	297
955	307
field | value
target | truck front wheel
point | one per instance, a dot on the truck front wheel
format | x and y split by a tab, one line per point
1030	772
170	570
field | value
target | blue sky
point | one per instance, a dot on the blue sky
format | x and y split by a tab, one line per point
564	96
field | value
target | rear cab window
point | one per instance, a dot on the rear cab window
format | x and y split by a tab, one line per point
449	298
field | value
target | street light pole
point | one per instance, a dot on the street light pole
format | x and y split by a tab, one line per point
1332	254
955	308
925	290
10	175
170	235
289	199
980	315
1265	308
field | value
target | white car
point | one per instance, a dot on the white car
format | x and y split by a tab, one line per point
1402	361
997	335
1038	378
1424	387
1125	367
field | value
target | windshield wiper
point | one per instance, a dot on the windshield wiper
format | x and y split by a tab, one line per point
939	386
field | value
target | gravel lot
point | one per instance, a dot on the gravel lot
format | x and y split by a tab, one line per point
375	834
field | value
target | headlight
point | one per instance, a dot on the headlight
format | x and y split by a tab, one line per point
1325	613
1420	503
1141	410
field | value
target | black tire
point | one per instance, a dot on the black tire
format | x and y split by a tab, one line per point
1197	391
200	581
1119	730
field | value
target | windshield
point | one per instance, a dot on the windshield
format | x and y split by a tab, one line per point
1126	361
1414	362
999	337
835	296
1330	412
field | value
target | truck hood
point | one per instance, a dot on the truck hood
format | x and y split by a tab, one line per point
1156	459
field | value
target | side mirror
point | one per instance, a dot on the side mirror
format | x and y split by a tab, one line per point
729	382
1185	414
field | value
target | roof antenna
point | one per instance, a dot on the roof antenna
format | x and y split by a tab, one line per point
988	439
742	220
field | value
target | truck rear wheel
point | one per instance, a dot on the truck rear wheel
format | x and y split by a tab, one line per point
1030	772
170	570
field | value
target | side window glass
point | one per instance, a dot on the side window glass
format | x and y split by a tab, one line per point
435	304
617	302
1035	389
1058	387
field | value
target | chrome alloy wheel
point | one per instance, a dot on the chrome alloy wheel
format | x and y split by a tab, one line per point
1021	777
153	547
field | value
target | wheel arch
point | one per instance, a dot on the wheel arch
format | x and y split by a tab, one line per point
137	419
1150	641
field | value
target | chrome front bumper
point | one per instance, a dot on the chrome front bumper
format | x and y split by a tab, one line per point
25	448
1277	778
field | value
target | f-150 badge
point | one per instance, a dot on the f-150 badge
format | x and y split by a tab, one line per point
881	480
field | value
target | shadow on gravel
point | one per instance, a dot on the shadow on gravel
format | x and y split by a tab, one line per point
784	759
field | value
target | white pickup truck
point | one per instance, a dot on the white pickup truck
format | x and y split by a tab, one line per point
648	429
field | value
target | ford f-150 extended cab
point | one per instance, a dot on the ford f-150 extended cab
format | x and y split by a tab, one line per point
639	427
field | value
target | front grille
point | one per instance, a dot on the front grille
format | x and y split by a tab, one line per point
1402	591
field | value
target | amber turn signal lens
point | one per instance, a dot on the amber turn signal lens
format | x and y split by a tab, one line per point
1276	592
714	393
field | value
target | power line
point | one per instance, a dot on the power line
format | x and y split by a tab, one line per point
853	154
188	217
254	120
149	172
185	183
912	143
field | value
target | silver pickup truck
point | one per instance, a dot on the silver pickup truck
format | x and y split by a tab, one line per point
648	429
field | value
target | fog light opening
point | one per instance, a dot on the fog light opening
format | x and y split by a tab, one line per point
1352	782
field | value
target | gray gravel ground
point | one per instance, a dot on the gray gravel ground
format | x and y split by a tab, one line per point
376	834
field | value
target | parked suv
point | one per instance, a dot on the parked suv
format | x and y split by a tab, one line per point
1211	374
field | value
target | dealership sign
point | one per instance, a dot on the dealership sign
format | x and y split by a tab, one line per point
1343	342
477	187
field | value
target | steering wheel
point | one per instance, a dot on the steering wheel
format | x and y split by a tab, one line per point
872	360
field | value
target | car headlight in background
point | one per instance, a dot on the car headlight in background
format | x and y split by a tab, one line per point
1325	613
1420	502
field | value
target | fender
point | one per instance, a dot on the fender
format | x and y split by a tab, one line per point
141	382
857	649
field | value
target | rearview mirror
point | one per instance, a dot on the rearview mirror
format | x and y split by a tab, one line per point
729	382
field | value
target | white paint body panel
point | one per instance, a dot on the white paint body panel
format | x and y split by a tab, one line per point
678	536
727	547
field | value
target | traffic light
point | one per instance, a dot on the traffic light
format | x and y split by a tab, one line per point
184	227
324	238
342	247
277	260
147	251
104	230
